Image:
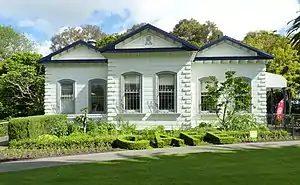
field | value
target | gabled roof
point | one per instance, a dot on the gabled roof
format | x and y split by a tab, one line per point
186	46
260	54
47	58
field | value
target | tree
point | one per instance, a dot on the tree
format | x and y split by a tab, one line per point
227	97
135	26
293	32
108	39
199	34
286	58
21	85
12	42
72	34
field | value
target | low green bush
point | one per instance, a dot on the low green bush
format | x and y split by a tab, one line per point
132	143
192	138
75	140
162	141
216	138
177	142
33	126
3	129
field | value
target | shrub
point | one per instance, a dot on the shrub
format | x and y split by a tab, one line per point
126	128
72	127
32	126
162	141
216	138
59	129
104	129
3	129
245	122
177	142
132	143
192	138
75	140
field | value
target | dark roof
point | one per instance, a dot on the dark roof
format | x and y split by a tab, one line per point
260	54
47	58
185	44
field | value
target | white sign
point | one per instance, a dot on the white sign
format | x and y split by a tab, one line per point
253	134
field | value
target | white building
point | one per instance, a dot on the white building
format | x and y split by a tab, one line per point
149	77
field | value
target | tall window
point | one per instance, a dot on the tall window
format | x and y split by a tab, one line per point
166	92
205	104
97	96
132	92
67	97
242	98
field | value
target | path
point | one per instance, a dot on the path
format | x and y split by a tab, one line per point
56	161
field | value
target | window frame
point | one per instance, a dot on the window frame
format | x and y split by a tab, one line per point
199	95
122	97
59	98
104	83
157	75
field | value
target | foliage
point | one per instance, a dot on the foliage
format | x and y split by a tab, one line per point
199	34
12	42
21	86
108	39
83	118
227	95
132	143
268	135
73	34
245	122
286	58
192	138
135	27
78	140
60	128
216	138
125	128
3	129
33	126
162	141
293	32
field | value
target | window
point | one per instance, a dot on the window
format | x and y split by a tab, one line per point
242	98
132	92
205	104
67	98
166	92
97	96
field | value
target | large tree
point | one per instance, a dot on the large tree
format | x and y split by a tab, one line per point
21	86
12	42
293	32
72	34
135	26
108	39
286	58
199	34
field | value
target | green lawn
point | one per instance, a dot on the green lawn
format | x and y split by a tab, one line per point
253	167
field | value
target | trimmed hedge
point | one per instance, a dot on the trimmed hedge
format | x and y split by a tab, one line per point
271	135
216	138
177	142
192	138
162	140
132	143
67	142
32	126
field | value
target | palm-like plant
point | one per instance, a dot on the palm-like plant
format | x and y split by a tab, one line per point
293	32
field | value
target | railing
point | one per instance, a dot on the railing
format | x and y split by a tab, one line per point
289	122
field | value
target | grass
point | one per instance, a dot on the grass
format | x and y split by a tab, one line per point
262	167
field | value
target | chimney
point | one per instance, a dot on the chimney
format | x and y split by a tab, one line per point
92	42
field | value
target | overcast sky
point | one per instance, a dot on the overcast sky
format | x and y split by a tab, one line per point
40	19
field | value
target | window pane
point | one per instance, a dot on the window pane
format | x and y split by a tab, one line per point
67	98
166	92
205	104
97	97
132	92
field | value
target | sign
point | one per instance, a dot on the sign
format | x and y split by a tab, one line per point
279	110
253	134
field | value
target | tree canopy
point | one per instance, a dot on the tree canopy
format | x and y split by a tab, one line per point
196	33
21	86
72	34
293	32
12	42
286	58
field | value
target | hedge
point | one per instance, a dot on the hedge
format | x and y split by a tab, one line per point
131	143
162	140
177	142
32	126
67	142
192	138
216	138
271	135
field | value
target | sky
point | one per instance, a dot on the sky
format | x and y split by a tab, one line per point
41	19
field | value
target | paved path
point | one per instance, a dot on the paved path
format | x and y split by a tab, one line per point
56	161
